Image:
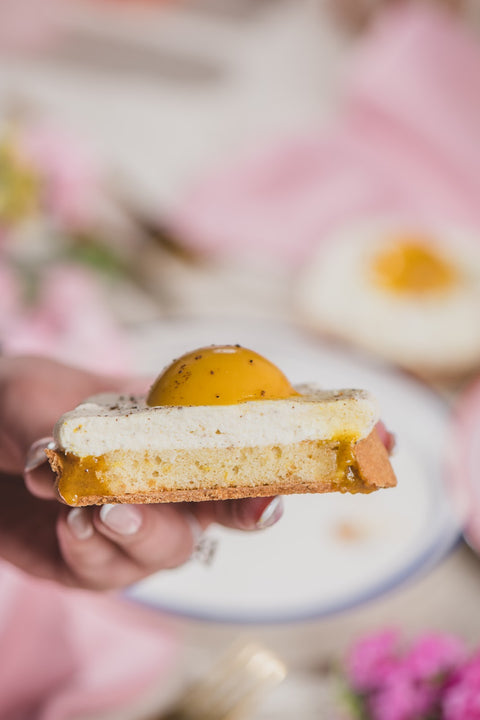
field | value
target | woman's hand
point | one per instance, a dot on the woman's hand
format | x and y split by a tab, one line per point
99	548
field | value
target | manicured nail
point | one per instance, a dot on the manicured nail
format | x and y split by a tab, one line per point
271	514
78	521
36	453
122	519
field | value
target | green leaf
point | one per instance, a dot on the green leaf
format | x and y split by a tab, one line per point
95	254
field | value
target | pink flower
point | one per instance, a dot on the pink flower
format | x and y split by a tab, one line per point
72	323
372	660
401	699
71	176
462	697
404	685
434	655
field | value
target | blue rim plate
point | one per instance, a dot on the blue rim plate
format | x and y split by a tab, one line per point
329	553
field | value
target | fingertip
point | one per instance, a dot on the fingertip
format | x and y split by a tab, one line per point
387	438
154	536
249	513
79	523
92	561
271	513
36	456
41	482
121	519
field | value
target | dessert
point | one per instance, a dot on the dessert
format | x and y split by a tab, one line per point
409	295
219	422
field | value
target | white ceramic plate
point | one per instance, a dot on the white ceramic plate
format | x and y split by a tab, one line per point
329	552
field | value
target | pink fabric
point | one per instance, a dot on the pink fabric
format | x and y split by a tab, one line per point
464	461
406	143
65	654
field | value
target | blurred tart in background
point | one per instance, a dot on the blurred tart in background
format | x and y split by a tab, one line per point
407	294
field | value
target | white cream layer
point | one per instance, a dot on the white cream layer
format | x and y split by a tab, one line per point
117	422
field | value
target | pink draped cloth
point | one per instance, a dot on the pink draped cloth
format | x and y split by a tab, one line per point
406	143
68	654
464	461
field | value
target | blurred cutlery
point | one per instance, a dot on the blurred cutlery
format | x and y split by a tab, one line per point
234	686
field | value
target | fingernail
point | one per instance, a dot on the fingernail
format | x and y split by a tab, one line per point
122	519
36	453
271	514
79	523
